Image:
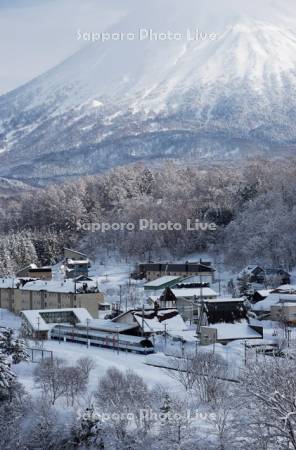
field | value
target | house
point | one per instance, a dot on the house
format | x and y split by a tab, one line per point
162	283
152	321
202	269
277	276
284	311
188	302
263	308
268	276
225	309
261	295
223	333
32	271
254	273
195	293
73	254
75	263
75	268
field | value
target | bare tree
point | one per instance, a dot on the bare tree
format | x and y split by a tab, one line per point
270	388
183	370
202	372
75	383
49	376
123	396
86	365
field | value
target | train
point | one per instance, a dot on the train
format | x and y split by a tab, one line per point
114	341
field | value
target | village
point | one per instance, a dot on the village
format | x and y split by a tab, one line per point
177	345
157	309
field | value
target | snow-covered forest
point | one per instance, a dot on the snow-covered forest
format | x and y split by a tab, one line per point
253	206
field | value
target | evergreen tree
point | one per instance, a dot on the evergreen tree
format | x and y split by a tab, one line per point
12	346
244	284
6	377
89	432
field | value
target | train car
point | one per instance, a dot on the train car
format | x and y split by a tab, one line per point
114	341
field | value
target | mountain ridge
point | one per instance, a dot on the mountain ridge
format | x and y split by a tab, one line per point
144	95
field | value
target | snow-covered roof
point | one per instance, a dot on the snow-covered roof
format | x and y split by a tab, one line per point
38	323
157	324
228	331
286	288
108	325
173	324
225	300
77	261
193	279
272	300
194	292
264	292
162	280
249	269
9	282
64	286
284	303
186	335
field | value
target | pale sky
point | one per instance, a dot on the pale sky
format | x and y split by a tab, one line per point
35	35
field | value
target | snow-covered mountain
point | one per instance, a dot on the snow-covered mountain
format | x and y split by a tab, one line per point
227	90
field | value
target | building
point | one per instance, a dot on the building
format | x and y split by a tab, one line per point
37	324
162	283
259	275
283	294
77	326
76	268
32	271
39	294
186	300
74	254
202	293
284	311
223	333
151	321
75	263
261	295
277	276
254	273
225	309
202	269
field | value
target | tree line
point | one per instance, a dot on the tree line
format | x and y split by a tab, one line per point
253	205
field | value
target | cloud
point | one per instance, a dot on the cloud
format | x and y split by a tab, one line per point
35	36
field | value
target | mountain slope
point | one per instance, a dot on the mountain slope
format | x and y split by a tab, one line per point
124	101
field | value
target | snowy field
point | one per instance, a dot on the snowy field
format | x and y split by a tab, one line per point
234	354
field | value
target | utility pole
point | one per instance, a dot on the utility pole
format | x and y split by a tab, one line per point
289	336
245	353
126	301
117	331
87	330
59	330
143	323
120	296
165	337
38	330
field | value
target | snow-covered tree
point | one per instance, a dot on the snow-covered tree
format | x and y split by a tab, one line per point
244	284
90	430
7	377
13	346
270	389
